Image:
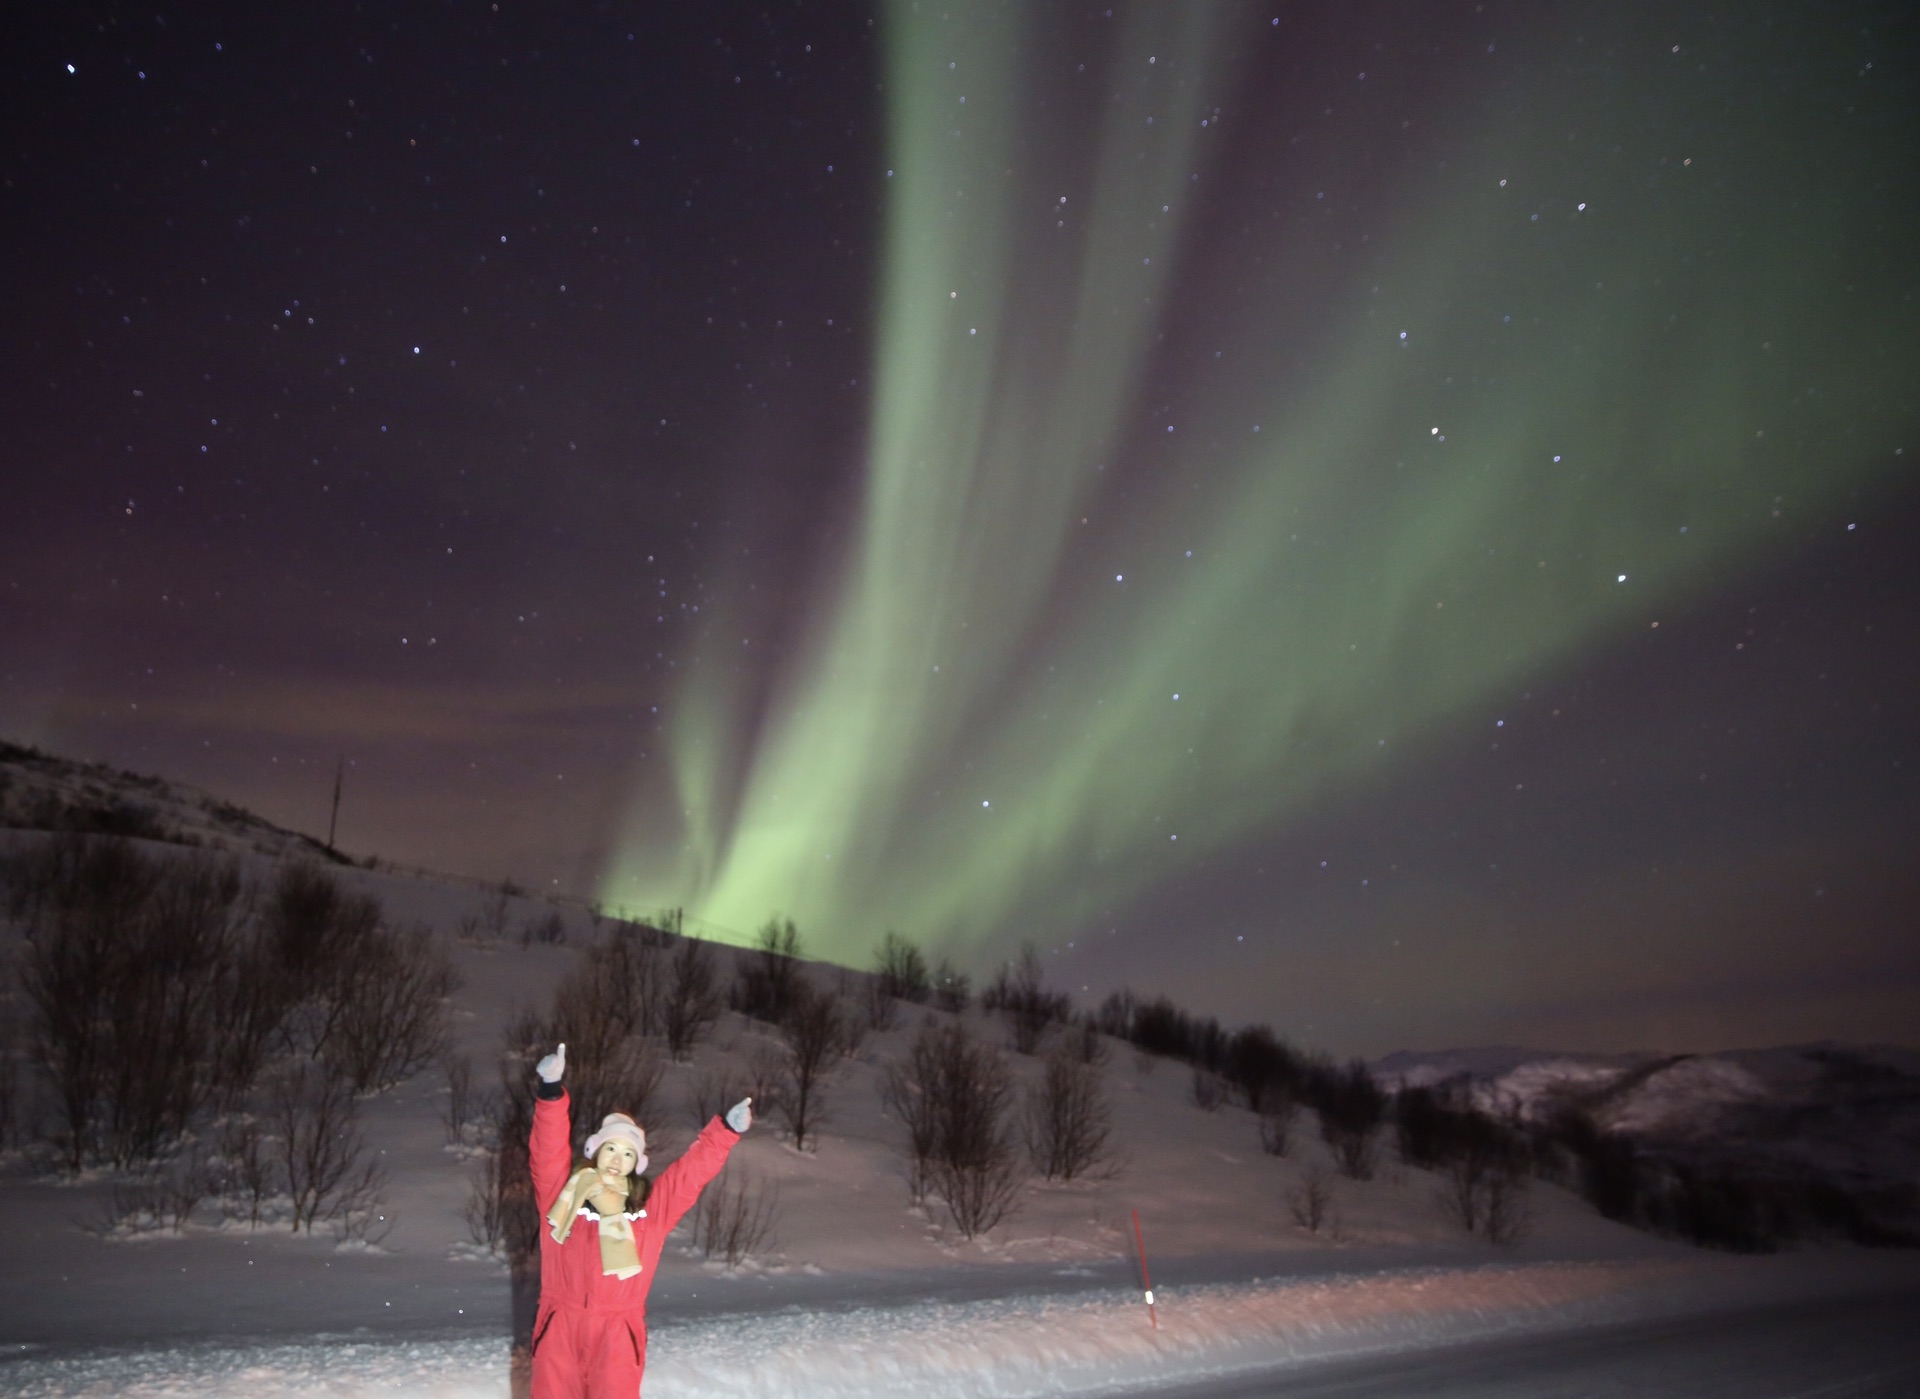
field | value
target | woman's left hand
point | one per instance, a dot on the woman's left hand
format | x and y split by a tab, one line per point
740	1115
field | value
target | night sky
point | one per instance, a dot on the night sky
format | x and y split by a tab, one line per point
1397	520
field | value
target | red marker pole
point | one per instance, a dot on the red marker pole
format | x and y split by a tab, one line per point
1145	1281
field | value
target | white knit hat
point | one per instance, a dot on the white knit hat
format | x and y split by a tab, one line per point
617	1126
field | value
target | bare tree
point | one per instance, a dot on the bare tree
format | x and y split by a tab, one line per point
1310	1200
610	1067
901	970
127	974
320	1145
910	1089
392	1014
1019	993
1352	1108
1483	1182
630	963
955	1097
736	1218
1068	1122
690	1003
766	988
812	1032
250	1170
513	1212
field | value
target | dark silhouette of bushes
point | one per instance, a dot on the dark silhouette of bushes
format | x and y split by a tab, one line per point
1352	1108
1019	993
124	963
162	988
902	971
765	988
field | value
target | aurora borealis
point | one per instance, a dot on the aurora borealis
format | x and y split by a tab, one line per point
1393	519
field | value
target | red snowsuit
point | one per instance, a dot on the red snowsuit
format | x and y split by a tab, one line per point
590	1332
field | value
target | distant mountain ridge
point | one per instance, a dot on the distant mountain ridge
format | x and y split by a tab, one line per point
1849	1113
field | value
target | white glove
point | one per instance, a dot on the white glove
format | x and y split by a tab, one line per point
552	1066
740	1115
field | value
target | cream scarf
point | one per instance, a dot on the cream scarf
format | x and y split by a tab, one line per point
619	1255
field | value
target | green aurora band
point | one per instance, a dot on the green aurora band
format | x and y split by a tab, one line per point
1168	530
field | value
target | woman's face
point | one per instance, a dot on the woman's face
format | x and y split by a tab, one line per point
615	1158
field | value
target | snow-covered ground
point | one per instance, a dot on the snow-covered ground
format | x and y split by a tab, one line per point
859	1291
1075	1345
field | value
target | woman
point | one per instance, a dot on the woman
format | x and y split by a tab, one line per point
603	1238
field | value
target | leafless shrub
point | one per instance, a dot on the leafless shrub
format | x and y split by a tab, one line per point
609	1067
1507	1211
910	1090
1310	1199
317	1122
982	1191
1276	1125
319	935
812	1034
520	1213
1209	1090
252	999
249	1166
1483	1189
125	970
391	1017
192	1181
736	1218
487	1202
630	965
1352	1108
690	1002
954	1095
767	983
900	971
134	1206
1354	1149
359	1211
1068	1122
1019	993
312	923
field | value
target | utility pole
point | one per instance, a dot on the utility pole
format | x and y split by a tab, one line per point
333	821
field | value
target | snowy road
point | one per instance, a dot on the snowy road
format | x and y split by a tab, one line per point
1852	1348
1836	1325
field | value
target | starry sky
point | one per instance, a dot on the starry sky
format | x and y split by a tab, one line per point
1394	519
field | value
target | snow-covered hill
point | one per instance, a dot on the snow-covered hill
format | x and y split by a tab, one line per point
859	1286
